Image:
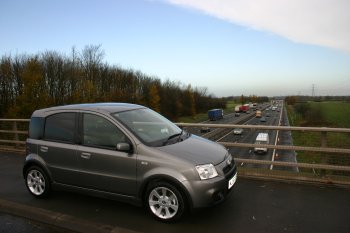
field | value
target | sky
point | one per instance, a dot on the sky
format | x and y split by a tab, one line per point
231	47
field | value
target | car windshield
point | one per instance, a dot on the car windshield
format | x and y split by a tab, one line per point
150	127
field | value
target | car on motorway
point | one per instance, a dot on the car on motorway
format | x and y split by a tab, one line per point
205	129
237	114
126	152
258	114
237	131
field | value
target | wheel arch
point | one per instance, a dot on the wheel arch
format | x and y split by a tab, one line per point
167	179
35	161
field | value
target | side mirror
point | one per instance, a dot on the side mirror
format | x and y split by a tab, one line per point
123	146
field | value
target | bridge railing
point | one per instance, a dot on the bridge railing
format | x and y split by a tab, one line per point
13	133
318	154
325	159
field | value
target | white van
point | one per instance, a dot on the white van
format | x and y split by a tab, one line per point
262	138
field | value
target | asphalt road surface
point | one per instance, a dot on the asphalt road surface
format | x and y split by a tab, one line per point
14	224
254	206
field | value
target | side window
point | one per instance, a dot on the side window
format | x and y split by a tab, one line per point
60	127
99	132
36	127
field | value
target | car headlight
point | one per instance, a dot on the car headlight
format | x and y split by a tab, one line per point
206	171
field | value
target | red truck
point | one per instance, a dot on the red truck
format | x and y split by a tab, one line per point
244	108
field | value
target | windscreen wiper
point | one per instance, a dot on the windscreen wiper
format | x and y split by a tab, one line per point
173	136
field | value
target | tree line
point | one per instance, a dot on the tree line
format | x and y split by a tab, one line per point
308	114
242	99
30	82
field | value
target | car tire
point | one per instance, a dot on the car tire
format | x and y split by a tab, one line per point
165	202
37	182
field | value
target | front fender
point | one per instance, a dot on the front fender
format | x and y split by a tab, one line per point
163	174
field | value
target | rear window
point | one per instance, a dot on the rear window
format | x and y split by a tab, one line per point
60	127
36	127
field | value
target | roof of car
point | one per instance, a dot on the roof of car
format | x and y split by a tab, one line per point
97	107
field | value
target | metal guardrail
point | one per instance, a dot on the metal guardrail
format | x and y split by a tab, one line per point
13	133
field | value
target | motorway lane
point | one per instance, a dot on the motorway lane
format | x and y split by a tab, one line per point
228	119
285	138
249	136
254	206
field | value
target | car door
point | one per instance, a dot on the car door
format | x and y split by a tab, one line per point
102	167
58	148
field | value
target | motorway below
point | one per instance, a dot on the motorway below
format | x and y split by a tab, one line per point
254	206
269	117
272	118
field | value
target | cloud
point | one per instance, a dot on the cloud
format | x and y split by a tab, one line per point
316	22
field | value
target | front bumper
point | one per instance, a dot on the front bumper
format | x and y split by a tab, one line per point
209	192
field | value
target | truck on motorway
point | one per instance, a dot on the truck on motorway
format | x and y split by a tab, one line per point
258	114
215	114
237	108
261	139
244	108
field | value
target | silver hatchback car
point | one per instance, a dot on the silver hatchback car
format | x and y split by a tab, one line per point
126	152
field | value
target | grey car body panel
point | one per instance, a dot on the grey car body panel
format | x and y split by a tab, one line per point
155	164
107	170
197	150
61	159
125	175
34	158
152	161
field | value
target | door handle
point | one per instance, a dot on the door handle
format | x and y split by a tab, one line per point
44	149
85	155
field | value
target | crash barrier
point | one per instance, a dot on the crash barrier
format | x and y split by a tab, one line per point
304	154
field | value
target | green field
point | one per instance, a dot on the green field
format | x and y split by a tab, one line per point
230	106
336	115
197	118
